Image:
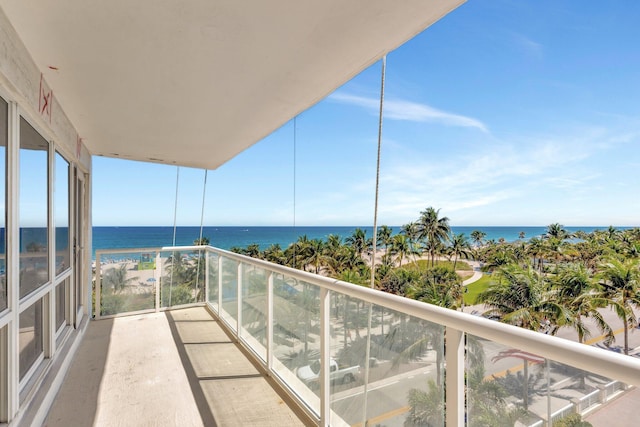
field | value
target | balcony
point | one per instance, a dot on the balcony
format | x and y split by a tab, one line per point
172	368
337	353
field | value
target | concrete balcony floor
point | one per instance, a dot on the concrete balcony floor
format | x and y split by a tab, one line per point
165	369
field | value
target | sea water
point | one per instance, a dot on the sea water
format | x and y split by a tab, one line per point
243	236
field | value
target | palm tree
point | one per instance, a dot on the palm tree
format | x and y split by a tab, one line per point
582	296
333	245
433	229
402	248
116	278
487	403
426	407
274	254
384	236
412	233
520	297
313	254
498	257
537	249
439	286
294	253
612	233
620	280
460	247
201	241
253	250
358	241
399	281
557	231
477	237
348	259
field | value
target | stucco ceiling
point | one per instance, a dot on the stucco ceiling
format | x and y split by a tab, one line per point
196	82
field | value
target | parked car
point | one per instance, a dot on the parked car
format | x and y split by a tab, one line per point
309	374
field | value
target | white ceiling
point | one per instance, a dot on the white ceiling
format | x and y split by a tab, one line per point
196	82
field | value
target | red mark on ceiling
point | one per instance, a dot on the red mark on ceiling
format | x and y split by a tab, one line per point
45	99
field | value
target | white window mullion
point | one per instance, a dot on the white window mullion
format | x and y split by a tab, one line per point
13	264
49	306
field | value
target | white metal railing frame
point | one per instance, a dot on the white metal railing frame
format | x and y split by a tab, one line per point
588	400
588	358
158	273
585	357
561	413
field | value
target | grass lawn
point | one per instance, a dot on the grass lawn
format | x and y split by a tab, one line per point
475	288
423	264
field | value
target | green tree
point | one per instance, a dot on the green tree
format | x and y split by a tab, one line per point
487	404
274	254
477	237
460	248
313	254
399	280
426	408
433	229
620	281
358	241
412	232
401	248
116	278
582	297
557	231
294	254
439	286
204	241
520	297
384	236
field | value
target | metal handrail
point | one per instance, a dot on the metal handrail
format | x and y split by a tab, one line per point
585	357
596	360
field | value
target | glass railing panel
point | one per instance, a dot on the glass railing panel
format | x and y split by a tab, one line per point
213	280
180	281
197	262
229	309
255	281
128	283
406	367
506	385
296	336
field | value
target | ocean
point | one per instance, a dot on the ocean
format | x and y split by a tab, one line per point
228	237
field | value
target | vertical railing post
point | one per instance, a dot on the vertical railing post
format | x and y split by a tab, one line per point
325	358
156	282
454	378
206	276
98	285
270	322
239	314
219	285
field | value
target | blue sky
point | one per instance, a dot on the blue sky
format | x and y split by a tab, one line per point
502	113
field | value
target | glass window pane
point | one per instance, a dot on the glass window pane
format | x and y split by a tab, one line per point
61	203
3	147
61	303
34	262
30	339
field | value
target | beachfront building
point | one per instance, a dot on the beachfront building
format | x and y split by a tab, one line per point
194	84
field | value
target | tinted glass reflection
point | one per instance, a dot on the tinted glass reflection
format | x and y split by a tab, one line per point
34	241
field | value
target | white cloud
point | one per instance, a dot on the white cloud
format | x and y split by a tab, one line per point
497	177
410	111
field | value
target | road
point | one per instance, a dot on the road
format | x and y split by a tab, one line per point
388	397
